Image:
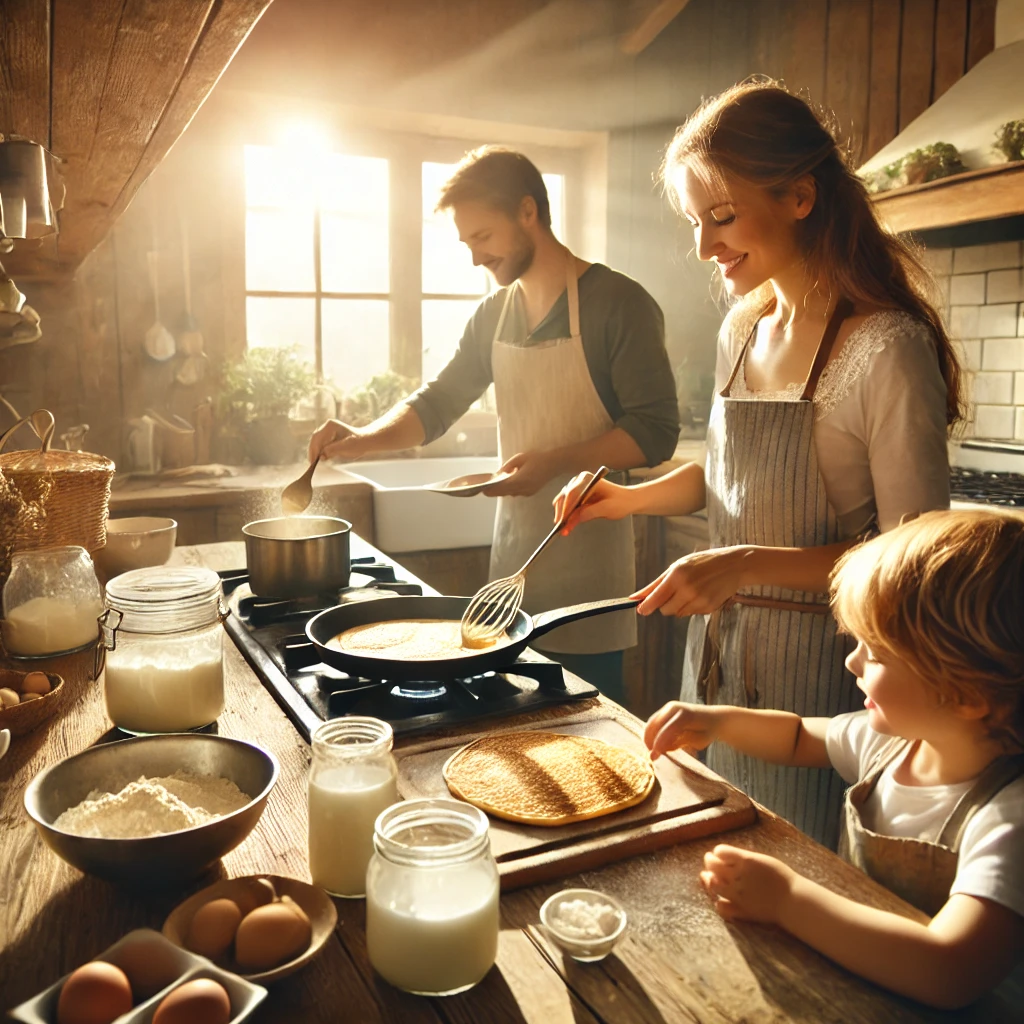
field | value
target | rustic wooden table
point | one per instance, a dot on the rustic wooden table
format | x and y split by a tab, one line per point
678	962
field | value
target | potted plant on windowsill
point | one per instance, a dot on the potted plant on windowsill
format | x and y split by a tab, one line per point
257	394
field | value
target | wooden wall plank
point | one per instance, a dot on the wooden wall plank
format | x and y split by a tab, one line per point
803	63
981	31
847	87
883	94
950	44
916	54
25	69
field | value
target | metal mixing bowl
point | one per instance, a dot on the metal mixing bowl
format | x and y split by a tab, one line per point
154	860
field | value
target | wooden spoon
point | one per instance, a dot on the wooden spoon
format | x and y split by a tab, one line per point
295	498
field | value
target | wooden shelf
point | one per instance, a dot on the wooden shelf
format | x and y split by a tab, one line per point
964	198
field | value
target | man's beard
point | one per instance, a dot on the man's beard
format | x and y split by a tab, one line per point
518	261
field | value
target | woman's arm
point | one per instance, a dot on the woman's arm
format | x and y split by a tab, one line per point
776	736
965	950
700	583
679	493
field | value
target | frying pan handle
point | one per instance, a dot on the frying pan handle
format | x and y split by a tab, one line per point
547	621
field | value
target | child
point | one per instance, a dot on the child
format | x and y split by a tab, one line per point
936	809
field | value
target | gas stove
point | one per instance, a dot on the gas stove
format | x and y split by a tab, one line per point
978	486
271	636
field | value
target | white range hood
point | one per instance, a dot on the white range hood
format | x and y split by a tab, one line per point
969	112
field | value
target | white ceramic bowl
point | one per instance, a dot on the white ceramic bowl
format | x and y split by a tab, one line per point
589	949
136	543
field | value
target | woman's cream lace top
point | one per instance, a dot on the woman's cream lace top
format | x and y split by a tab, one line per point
879	420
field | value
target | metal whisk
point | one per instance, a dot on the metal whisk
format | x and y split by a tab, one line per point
494	606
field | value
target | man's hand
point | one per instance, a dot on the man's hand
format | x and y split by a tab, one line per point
337	440
530	472
747	886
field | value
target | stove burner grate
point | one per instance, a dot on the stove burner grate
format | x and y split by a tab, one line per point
976	485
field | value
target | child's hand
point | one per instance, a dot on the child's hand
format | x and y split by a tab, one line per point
747	886
690	727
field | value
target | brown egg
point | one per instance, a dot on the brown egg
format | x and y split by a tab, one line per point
150	965
212	928
35	682
8	697
31	696
196	1002
272	935
97	993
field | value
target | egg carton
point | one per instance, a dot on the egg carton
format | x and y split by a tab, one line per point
244	995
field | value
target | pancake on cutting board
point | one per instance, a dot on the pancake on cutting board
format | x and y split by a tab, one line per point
548	778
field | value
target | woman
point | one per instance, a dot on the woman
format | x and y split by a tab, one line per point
835	387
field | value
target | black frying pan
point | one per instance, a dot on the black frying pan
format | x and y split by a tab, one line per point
523	631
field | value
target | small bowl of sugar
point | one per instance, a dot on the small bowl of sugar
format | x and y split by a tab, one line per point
584	923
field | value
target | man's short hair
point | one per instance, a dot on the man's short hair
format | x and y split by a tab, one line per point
500	177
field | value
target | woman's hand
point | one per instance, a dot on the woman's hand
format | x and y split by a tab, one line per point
696	584
605	501
747	886
678	726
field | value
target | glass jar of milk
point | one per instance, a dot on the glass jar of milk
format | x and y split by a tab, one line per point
164	640
432	897
51	603
351	780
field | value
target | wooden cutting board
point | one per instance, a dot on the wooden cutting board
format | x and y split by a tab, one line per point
683	806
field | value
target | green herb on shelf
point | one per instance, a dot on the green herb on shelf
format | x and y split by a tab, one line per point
1010	140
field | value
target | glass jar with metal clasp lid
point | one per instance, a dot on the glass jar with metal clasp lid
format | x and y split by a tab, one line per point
51	603
432	915
164	649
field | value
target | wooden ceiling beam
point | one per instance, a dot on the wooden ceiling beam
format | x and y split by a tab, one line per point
651	19
129	77
25	69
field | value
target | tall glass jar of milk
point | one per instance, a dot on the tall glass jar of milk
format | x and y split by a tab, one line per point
351	780
432	897
51	603
164	639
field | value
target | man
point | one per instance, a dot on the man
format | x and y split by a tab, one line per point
577	356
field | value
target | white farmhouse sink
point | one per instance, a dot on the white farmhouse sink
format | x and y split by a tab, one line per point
406	518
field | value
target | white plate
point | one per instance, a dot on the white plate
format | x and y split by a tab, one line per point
467	486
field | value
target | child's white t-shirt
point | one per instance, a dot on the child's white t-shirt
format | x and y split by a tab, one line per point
992	849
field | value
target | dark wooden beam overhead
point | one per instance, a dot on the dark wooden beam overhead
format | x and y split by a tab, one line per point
649	18
109	85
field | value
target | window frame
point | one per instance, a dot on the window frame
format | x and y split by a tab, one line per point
406	152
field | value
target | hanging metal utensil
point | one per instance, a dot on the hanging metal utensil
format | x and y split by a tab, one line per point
190	341
158	342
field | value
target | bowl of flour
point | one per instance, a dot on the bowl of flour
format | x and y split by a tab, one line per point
154	810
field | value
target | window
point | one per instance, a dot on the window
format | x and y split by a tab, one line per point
327	267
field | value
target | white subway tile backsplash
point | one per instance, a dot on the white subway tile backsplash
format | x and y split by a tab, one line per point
939	261
996	421
1002	354
1004	286
998	321
973	259
964	321
1018	430
993	388
1018	389
967	289
970	354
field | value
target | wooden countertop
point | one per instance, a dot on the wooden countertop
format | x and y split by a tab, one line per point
678	962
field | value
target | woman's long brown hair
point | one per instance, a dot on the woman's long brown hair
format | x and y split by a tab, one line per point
763	135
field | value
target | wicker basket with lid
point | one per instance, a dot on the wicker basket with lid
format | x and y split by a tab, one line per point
51	498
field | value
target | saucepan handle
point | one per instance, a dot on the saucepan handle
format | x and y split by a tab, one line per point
547	621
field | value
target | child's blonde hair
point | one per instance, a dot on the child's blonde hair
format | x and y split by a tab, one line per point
944	594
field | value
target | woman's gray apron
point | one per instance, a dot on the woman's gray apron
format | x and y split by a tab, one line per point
769	647
546	399
917	870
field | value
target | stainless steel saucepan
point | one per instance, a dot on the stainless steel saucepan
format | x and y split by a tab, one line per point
297	556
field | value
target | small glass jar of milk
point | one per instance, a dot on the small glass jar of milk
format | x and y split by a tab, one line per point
432	897
351	780
51	603
165	649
